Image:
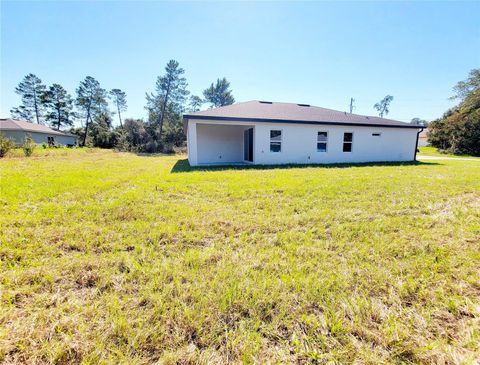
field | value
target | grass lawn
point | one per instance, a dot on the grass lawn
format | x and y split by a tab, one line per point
114	258
52	152
432	151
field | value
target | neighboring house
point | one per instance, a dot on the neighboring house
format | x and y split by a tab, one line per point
423	138
17	130
261	132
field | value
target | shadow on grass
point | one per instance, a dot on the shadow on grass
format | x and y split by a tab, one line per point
183	166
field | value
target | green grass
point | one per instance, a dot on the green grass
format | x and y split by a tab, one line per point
39	151
433	151
114	258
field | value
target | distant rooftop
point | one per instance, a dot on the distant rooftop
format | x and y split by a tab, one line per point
23	125
290	112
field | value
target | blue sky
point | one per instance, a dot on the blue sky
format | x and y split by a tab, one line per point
321	53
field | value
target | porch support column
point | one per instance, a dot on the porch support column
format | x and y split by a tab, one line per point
192	143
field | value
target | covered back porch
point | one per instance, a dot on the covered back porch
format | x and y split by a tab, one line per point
221	144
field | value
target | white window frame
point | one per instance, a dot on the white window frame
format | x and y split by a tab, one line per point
326	142
276	141
351	143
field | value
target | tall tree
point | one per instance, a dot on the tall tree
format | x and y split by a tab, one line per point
119	99
196	103
218	94
383	105
22	112
91	100
59	106
169	96
465	89
30	89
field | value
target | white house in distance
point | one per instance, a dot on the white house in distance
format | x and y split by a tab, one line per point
17	130
265	133
423	138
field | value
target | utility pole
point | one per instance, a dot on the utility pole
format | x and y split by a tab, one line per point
352	100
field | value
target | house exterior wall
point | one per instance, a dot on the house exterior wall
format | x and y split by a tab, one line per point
66	140
19	136
299	143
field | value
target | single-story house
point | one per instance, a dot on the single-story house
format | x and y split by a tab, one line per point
264	132
17	130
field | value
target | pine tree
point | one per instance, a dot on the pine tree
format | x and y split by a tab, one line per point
169	96
219	94
30	89
59	105
383	105
91	100
196	103
119	99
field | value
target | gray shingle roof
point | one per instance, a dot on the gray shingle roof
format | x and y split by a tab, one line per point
22	125
294	113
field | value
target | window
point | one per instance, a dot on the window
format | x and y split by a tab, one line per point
322	139
347	141
376	134
275	141
50	141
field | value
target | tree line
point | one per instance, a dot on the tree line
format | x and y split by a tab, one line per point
458	130
162	131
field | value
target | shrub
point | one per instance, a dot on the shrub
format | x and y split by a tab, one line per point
457	132
180	150
6	144
168	148
121	143
28	145
152	147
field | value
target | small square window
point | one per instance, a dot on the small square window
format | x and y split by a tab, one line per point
348	137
